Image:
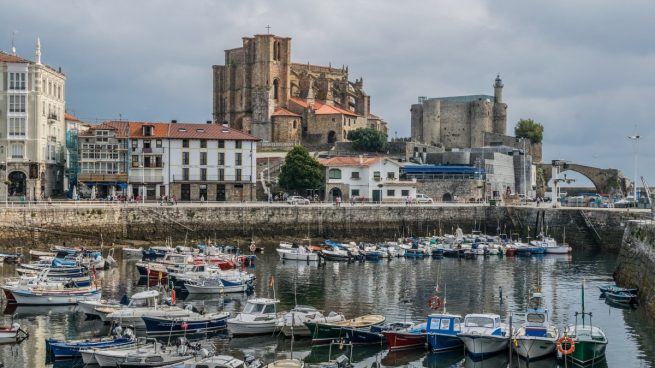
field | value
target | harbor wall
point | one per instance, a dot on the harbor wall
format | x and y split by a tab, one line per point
636	262
54	225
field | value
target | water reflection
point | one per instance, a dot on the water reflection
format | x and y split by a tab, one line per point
377	287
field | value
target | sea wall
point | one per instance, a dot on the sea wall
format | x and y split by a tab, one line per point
636	262
48	225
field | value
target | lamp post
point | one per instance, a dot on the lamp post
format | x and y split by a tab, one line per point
143	183
635	139
525	187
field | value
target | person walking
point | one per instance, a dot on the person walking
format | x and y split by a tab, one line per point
338	200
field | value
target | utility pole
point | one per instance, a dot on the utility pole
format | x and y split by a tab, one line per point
635	139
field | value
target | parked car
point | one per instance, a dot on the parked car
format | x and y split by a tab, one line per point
297	200
422	198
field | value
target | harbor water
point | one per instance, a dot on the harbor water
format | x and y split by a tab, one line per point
398	289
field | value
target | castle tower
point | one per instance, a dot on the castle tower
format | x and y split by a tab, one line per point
498	89
499	109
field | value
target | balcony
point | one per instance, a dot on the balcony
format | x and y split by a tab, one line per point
102	177
211	178
148	178
153	165
53	118
148	151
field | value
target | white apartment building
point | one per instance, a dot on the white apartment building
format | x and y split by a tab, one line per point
192	162
32	127
366	178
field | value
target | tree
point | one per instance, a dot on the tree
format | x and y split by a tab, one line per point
301	171
368	139
528	128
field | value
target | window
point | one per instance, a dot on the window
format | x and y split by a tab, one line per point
391	175
135	143
391	193
16	150
146	143
203	143
445	324
185	173
17	81
334	174
354	175
294	124
16	127
158	143
237	174
354	193
147	130
221	158
135	161
404	193
203	174
237	159
185	143
221	144
203	158
16	103
276	86
146	161
376	175
158	162
185	158
221	174
238	144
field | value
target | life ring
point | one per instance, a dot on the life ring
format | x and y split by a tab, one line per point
565	340
434	303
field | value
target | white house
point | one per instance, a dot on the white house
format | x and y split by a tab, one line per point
366	178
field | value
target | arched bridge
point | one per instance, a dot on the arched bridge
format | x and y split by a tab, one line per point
606	181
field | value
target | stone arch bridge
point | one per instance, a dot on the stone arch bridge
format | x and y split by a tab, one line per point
605	180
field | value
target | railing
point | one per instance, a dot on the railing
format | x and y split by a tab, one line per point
214	178
136	178
148	151
103	177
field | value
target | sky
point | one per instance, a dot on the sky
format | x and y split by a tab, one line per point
584	69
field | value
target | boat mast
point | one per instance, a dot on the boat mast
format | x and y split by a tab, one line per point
583	312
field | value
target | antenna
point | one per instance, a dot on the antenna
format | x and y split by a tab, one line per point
268	29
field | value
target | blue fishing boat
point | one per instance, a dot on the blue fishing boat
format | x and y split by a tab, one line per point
414	253
621	297
371	335
60	349
616	289
197	324
442	332
437	253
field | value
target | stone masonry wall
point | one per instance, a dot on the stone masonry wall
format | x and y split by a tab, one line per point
637	261
53	225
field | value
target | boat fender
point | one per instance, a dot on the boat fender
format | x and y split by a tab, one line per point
565	341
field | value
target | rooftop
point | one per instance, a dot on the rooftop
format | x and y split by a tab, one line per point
134	129
470	98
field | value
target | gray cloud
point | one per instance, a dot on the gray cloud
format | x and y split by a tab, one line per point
583	69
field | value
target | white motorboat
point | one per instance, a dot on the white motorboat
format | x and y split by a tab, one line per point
144	303
292	323
536	337
484	335
297	253
113	357
286	363
216	361
53	296
92	307
259	316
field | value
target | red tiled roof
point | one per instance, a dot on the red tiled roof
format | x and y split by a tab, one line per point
284	112
71	117
371	116
354	161
9	58
299	102
321	108
134	129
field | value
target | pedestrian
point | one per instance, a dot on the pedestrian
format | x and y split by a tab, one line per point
174	200
407	201
49	201
338	200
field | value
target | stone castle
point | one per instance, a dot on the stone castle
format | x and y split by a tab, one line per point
261	91
460	122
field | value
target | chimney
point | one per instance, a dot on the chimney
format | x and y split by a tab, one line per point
173	121
361	160
225	128
209	121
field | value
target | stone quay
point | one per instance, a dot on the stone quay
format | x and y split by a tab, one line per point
88	224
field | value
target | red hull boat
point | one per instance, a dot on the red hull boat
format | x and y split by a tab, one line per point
400	340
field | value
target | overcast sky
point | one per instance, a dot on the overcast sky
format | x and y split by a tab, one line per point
584	69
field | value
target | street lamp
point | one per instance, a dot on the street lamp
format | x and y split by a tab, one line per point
635	139
143	182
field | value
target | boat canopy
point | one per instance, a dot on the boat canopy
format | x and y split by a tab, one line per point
145	295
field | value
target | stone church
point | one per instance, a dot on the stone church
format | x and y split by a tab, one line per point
460	121
261	91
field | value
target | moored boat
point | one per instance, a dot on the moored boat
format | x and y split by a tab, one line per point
324	333
292	323
537	336
413	336
12	334
588	341
165	326
442	331
259	316
59	349
484	335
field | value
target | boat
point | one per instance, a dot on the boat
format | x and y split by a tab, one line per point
622	298
216	361
406	336
286	363
616	289
217	286
132	253
166	326
259	316
92	307
12	334
588	341
59	349
297	253
537	336
292	323
324	333
144	303
39	296
148	354
484	335
442	330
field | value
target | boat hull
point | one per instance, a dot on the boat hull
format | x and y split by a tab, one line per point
363	336
442	342
586	352
481	346
245	328
533	348
404	341
183	326
60	350
287	255
54	298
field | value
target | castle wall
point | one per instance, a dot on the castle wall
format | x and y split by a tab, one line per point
432	121
480	122
417	122
286	129
455	124
499	118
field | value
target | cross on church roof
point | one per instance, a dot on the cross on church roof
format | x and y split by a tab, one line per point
268	29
